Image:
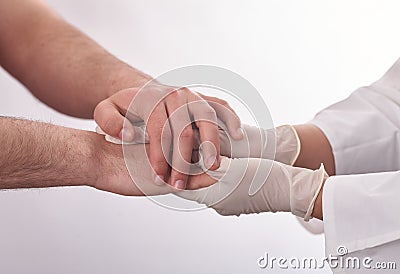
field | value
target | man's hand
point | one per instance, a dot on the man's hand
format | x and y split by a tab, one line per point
113	175
37	155
168	113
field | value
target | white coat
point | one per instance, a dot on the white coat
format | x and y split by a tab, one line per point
361	206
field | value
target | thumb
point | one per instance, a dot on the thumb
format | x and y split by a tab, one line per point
116	127
140	136
111	121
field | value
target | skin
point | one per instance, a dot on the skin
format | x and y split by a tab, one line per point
317	212
315	149
37	155
71	73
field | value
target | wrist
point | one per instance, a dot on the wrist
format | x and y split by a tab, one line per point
36	155
317	211
89	148
315	149
106	162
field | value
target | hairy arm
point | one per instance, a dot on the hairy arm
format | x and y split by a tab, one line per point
35	154
59	64
71	73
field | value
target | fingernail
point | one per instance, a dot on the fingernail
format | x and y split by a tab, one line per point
179	184
209	161
127	134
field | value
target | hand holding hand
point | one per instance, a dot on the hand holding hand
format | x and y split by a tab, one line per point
168	113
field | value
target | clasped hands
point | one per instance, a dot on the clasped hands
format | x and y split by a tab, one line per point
244	169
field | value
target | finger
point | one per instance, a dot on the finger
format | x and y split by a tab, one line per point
159	133
206	121
182	131
196	145
226	114
200	181
195	156
112	122
181	158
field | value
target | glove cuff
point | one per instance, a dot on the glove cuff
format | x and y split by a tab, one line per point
287	144
304	191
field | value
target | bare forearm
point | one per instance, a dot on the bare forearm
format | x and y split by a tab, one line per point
59	64
34	154
315	149
317	211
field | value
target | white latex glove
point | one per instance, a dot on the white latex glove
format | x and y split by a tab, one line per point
260	143
246	186
257	143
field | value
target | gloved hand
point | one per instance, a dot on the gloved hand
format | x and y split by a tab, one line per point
259	185
281	144
257	143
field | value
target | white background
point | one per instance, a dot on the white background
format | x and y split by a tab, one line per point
301	55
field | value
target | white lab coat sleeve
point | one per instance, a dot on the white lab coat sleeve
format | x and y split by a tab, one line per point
364	129
361	213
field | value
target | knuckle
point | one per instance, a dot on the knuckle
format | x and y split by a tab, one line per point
98	111
154	95
187	133
154	134
223	102
174	96
185	90
156	124
189	93
110	126
157	120
211	98
209	114
236	119
149	93
166	135
158	163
